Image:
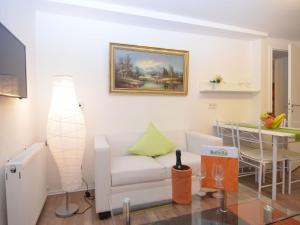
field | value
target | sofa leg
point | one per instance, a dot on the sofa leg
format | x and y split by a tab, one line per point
104	215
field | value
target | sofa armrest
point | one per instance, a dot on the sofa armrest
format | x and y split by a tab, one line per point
102	174
196	140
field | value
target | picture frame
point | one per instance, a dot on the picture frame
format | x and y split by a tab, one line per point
148	70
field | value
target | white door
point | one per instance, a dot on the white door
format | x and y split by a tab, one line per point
294	86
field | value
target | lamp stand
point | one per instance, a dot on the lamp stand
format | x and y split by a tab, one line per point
67	210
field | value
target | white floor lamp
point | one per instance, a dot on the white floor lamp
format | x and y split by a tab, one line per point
66	138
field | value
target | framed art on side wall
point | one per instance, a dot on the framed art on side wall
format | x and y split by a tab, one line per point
141	69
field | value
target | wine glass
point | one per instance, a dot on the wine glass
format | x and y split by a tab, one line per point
201	175
218	175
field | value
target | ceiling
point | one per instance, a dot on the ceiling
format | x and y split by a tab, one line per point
278	18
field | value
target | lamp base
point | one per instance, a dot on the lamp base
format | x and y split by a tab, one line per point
64	211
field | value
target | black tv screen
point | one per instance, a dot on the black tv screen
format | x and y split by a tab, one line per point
12	65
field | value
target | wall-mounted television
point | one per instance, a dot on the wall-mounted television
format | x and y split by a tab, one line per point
13	81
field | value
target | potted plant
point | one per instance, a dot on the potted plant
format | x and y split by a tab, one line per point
216	80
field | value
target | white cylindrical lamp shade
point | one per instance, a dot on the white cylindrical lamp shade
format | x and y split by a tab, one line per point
66	132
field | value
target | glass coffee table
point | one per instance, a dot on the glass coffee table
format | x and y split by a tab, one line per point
205	211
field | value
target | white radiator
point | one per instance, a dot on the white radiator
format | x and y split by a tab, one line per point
26	186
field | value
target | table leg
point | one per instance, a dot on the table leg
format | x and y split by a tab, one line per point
274	168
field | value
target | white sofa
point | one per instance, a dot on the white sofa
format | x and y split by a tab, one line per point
145	180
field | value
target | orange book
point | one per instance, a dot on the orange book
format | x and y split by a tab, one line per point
219	165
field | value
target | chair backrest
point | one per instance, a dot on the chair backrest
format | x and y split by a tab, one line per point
250	136
284	123
226	131
291	124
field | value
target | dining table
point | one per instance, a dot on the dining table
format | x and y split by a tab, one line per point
276	135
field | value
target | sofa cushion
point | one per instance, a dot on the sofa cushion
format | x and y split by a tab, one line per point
187	158
178	138
153	143
121	142
135	169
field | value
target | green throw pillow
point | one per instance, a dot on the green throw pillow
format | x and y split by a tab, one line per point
153	143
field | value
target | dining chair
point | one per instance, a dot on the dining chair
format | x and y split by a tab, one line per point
292	154
227	131
251	147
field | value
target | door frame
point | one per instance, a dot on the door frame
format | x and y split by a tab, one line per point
270	72
289	116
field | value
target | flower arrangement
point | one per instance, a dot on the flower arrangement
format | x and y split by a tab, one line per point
217	79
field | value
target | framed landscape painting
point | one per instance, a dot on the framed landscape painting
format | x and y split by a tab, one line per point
141	69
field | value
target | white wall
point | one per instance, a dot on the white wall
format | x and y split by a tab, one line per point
80	47
16	116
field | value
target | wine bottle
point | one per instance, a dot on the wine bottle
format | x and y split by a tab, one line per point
178	165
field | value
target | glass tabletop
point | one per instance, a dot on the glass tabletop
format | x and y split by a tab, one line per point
206	211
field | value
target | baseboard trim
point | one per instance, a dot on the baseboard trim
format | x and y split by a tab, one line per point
61	191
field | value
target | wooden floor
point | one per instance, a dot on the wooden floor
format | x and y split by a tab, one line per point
247	191
290	201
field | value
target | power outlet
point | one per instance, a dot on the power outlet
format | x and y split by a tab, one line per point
212	105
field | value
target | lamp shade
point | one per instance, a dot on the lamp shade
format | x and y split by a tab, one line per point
66	132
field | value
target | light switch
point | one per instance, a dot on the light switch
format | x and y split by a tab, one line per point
212	105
